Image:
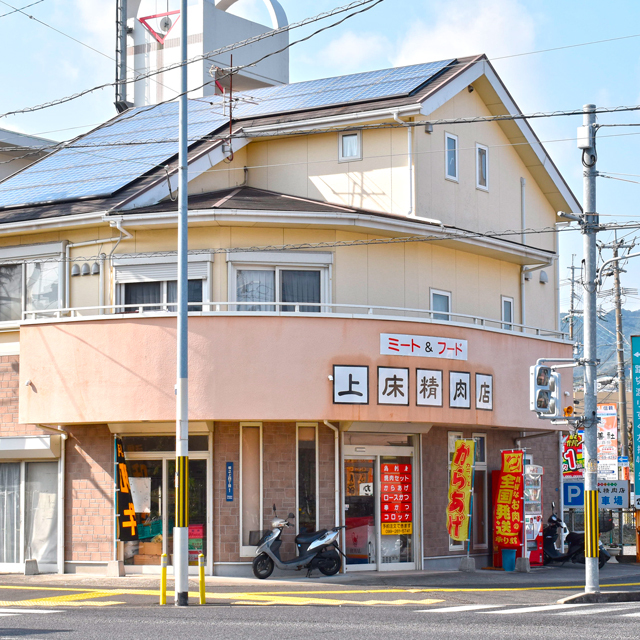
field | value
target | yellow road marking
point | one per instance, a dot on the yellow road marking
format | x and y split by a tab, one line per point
73	599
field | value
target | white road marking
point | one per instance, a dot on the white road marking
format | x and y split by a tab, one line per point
462	607
546	607
17	610
610	609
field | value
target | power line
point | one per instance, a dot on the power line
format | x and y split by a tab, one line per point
4	15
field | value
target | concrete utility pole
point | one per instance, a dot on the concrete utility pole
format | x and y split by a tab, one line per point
573	312
181	528
590	224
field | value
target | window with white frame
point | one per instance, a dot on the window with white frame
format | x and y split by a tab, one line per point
482	167
452	437
451	156
301	279
31	280
480	509
507	313
350	146
307	489
250	487
150	284
440	304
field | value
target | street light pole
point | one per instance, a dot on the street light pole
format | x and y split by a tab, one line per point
181	528
589	231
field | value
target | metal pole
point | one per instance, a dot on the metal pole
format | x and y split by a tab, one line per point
121	54
589	231
573	295
181	529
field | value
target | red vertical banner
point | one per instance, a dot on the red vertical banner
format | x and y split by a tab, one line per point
508	507
396	511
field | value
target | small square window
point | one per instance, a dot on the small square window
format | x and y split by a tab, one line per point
350	147
507	313
440	302
482	167
451	156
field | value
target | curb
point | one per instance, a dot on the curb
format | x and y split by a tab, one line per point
608	596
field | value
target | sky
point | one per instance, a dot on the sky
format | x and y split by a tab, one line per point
40	64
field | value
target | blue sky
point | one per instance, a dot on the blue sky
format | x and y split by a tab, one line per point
40	65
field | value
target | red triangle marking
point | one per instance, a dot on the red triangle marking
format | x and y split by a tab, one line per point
152	31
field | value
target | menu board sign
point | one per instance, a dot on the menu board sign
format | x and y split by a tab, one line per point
396	511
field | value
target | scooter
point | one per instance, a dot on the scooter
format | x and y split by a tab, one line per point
317	550
574	539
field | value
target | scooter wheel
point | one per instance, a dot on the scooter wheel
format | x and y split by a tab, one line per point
330	564
262	566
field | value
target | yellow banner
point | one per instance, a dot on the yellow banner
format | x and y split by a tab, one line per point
458	507
397	528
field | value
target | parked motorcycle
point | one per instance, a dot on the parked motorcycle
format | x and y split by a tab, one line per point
574	540
316	550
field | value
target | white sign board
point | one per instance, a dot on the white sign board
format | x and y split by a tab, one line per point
459	390
399	344
429	387
613	494
350	384
141	494
393	385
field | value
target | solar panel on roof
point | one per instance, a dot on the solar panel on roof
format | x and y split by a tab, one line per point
87	169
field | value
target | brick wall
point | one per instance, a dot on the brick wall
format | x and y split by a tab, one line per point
435	480
279	483
89	494
9	426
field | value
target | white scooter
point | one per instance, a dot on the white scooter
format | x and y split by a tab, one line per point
317	550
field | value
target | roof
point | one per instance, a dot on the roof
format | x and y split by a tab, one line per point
12	139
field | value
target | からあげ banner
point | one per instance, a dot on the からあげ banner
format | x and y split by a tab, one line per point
127	525
508	507
460	486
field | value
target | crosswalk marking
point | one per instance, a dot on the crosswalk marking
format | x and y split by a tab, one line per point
462	607
589	612
21	610
546	607
631	615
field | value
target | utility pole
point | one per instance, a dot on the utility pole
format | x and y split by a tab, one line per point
181	528
573	312
121	56
590	225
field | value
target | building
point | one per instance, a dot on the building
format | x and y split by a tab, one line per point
323	344
18	150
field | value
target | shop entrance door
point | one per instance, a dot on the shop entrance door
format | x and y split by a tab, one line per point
381	505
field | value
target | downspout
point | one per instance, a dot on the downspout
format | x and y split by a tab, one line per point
409	159
124	234
523	222
61	489
336	448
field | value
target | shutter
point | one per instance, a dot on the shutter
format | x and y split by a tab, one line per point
155	272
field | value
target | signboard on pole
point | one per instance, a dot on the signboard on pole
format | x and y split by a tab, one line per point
508	509
127	524
572	456
607	442
460	487
612	494
635	379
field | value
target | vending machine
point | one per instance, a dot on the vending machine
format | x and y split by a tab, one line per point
533	513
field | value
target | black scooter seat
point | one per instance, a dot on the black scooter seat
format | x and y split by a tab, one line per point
308	538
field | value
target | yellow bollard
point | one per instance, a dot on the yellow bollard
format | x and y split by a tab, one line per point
201	573
163	578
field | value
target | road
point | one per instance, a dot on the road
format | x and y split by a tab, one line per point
445	605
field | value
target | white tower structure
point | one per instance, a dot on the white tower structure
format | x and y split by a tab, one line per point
152	42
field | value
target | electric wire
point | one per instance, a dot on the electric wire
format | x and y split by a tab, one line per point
4	15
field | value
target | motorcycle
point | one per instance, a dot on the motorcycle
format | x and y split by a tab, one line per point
316	550
574	540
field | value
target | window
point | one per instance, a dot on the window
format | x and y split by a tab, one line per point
507	313
350	146
480	519
250	487
160	293
28	287
451	156
440	302
307	489
482	167
301	280
452	436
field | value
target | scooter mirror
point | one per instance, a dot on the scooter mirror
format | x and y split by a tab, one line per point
553	505
291	516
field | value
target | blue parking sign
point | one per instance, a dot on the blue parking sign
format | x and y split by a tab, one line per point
574	495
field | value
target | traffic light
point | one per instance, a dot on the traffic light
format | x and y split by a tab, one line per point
545	391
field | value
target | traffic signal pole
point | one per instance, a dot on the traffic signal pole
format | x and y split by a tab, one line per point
590	443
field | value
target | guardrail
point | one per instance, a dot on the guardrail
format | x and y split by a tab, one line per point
297	308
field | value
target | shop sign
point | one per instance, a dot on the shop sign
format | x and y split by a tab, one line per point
229	481
399	344
350	384
429	387
613	494
607	442
127	525
572	456
460	487
635	381
357	476
393	385
459	390
396	510
508	508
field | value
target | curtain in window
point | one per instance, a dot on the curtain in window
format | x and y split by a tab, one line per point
350	146
142	293
9	511
41	512
194	294
255	285
10	292
300	286
43	283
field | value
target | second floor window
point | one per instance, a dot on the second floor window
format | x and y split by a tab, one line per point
482	167
441	302
278	285
159	293
350	147
34	286
451	156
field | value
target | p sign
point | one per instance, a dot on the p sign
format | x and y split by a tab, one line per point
574	495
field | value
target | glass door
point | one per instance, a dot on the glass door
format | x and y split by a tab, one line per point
360	512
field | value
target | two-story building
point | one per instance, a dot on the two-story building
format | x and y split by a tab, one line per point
359	300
